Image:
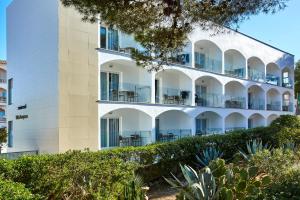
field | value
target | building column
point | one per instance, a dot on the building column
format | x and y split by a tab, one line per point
246	69
223	63
223	95
153	130
193	92
193	126
193	55
152	88
223	125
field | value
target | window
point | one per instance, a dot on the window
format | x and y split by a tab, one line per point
10	134
113	39
103	37
109	86
10	86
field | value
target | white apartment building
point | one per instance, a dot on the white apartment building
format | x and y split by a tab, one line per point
3	89
75	85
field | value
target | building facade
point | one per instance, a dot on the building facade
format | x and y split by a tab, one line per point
3	99
75	85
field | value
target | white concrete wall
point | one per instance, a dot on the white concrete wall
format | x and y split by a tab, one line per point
32	55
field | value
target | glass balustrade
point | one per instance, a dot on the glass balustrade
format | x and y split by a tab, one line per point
127	92
209	131
256	75
235	72
230	129
273	105
272	79
173	134
287	106
207	64
235	102
134	138
209	100
174	96
256	104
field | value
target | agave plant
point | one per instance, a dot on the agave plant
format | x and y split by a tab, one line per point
209	154
133	190
253	146
197	186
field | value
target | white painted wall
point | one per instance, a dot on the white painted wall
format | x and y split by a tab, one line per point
32	55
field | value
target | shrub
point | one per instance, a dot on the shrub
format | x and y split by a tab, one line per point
15	191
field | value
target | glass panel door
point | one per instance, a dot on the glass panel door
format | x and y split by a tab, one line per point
157	91
201	125
103	133
104	87
103	37
157	128
113	87
114	132
113	39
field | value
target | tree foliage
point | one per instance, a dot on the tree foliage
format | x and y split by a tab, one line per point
162	26
297	78
3	138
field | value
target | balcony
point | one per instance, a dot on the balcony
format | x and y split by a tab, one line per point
173	134
2	99
2	119
207	64
274	106
256	75
209	100
174	96
238	72
231	129
288	107
209	131
134	138
235	102
2	80
180	59
256	104
272	79
287	82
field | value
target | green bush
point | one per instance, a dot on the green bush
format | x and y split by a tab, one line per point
102	174
15	191
287	121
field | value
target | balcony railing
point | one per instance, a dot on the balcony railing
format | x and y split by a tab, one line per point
256	104
209	100
287	106
230	129
128	92
235	72
173	134
235	102
275	106
135	138
174	96
208	64
2	99
2	80
272	79
2	119
256	75
180	59
287	82
209	131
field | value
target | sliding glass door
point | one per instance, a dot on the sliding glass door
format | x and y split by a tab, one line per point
110	132
109	86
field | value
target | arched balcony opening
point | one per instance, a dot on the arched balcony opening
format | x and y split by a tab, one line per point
256	98
172	125
208	92
287	77
123	81
2	95
2	116
183	57
2	76
235	121
256	120
208	123
271	118
208	56
235	95
173	87
287	102
256	69
235	64
273	100
125	127
273	74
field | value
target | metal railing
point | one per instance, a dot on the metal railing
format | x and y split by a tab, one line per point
235	72
274	105
287	106
172	134
174	96
129	92
256	104
2	80
272	79
235	102
230	129
16	155
2	99
287	82
256	75
209	100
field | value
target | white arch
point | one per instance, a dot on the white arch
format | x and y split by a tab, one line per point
235	63
271	118
125	108
256	120
234	121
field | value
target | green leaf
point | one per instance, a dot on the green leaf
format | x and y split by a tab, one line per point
244	174
252	171
241	185
266	180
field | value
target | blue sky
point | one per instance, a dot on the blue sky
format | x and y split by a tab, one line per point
280	30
